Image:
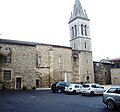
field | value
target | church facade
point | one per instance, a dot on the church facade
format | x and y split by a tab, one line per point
32	64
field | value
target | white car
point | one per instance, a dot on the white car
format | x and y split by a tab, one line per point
92	89
73	88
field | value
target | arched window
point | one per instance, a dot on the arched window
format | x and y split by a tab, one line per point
72	31
75	30
7	58
38	58
59	62
82	29
85	30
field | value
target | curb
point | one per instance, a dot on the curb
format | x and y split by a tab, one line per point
43	88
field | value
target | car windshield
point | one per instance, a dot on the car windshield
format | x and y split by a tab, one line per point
71	85
64	83
77	86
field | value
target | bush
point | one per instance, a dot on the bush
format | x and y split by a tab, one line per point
4	87
24	88
33	88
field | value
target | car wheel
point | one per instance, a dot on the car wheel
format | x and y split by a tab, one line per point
74	92
92	93
110	104
59	90
53	91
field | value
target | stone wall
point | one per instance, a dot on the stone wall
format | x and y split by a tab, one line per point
46	64
22	64
86	67
115	76
53	61
102	73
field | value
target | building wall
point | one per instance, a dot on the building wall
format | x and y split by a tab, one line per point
102	73
75	66
86	67
115	75
46	64
22	65
54	62
83	67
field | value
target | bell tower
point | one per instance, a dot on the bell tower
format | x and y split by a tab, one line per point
80	42
79	28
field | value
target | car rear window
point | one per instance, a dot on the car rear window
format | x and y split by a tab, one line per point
77	86
114	90
93	86
97	86
117	91
111	90
85	86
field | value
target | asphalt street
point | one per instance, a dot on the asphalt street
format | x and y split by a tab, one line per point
46	101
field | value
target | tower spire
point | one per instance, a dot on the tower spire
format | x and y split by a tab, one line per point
78	11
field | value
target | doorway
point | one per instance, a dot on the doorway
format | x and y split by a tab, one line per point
18	83
87	79
37	83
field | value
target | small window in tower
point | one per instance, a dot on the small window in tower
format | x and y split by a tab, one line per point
85	30
85	45
72	31
74	46
82	29
75	30
86	61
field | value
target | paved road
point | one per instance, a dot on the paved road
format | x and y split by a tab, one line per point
46	101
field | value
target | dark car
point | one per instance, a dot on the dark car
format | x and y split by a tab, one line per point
59	86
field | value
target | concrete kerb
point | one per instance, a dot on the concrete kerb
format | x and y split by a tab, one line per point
43	88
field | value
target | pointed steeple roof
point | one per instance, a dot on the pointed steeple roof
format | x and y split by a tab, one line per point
78	11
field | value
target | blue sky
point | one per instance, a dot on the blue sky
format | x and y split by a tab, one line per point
46	21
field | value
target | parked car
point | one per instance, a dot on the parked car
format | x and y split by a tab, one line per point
59	86
111	97
92	89
73	88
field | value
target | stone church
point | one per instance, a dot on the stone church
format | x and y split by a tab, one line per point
36	64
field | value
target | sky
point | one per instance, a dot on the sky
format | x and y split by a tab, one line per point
46	21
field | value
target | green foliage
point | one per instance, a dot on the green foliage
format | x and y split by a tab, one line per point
24	88
5	85
33	88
